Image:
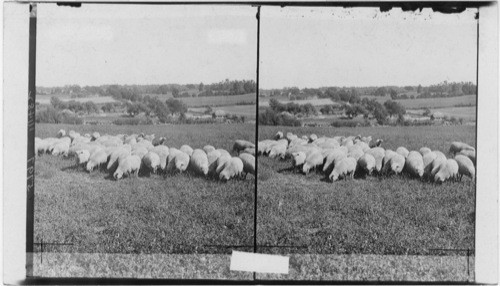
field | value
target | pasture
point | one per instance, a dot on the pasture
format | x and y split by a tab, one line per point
374	215
180	213
437	102
211	100
45	99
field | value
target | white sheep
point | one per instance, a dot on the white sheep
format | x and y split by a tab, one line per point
279	135
158	141
115	155
366	163
465	166
395	164
151	161
212	161
199	162
139	151
313	161
61	133
471	154
249	150
345	168
278	150
224	152
264	145
208	148
447	171
172	152
61	148
332	159
181	161
299	158
221	162
96	160
424	150
355	153
162	152
95	135
378	153
414	164
248	163
233	168
240	145
428	158
127	166
402	151
83	157
186	149
313	137
456	147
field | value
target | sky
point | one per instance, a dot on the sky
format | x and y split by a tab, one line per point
144	44
304	47
308	47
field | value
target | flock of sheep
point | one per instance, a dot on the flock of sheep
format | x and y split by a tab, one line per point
341	157
125	155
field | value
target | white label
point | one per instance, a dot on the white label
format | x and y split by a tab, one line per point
255	262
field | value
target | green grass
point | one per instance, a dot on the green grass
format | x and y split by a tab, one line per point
174	214
438	102
396	215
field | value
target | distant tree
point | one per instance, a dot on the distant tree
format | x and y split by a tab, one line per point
108	107
381	91
393	93
380	114
90	107
56	102
394	108
175	92
355	110
419	89
408	88
427	112
176	106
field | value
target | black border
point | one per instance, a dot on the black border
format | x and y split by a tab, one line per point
384	6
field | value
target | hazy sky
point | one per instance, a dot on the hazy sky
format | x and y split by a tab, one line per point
145	44
304	47
308	47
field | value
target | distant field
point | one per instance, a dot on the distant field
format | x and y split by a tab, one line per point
430	102
468	113
180	213
45	99
373	215
264	101
212	100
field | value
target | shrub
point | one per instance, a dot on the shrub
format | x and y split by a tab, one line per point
130	121
270	117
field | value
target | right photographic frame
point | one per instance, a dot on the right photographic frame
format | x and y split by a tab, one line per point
367	143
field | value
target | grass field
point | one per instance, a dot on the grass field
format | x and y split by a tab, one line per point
212	100
264	101
176	214
396	215
438	102
45	99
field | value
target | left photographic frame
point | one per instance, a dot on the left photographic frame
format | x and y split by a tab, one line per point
143	114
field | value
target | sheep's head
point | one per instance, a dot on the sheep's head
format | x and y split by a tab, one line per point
334	176
306	168
90	166
118	174
224	176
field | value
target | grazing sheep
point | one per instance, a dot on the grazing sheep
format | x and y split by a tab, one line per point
61	148
240	145
304	137
95	135
290	136
355	153
212	161
264	145
96	160
221	162
388	155
139	151
162	152
83	157
395	164
233	168
172	152
465	166
132	140
346	167
115	155
158	141
414	164
151	161
127	166
250	151
447	171
456	147
61	133
181	161
224	152
248	163
366	163
367	140
378	153
427	159
377	143
313	160
402	151
208	148
424	150
279	135
470	154
435	166
299	158
199	162
186	149
278	150
332	159
144	144
313	137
